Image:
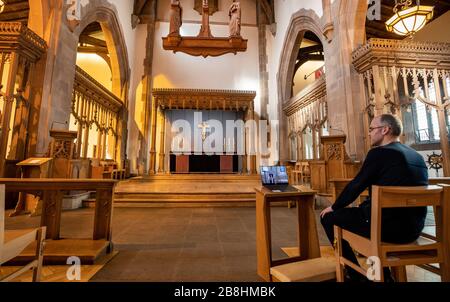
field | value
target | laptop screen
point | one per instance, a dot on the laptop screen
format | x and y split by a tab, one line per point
274	175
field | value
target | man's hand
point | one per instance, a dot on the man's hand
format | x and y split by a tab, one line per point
326	211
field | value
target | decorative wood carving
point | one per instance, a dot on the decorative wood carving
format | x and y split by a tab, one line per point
204	99
401	53
16	37
386	65
205	44
334	152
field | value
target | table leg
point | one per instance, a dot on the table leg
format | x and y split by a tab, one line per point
307	230
103	214
263	241
51	213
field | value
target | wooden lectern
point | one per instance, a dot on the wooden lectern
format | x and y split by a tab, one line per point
331	165
32	168
62	150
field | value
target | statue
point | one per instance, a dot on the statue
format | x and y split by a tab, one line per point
176	12
235	19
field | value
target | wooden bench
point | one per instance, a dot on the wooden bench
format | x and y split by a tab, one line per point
311	270
13	242
52	191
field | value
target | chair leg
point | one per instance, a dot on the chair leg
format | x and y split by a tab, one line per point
39	254
399	273
338	253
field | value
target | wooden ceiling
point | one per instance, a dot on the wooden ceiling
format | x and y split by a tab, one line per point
377	29
16	11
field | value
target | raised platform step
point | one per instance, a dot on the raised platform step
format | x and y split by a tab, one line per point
196	177
56	252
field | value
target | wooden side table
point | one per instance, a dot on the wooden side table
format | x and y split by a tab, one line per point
307	231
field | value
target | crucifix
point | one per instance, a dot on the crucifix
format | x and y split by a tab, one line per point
203	126
205	31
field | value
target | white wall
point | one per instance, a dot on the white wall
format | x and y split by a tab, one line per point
179	70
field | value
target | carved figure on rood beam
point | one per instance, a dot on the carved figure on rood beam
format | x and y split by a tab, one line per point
235	19
176	13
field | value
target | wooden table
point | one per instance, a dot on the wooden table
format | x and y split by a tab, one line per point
308	244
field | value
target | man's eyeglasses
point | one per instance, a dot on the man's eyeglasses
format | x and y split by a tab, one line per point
373	128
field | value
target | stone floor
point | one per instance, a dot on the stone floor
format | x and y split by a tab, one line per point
186	244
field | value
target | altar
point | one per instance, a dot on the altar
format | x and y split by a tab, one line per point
203	163
202	131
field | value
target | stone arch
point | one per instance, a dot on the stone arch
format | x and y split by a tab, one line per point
301	22
355	19
106	14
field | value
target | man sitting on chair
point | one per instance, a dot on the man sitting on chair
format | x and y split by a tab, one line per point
388	163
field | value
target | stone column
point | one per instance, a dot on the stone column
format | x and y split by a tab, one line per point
147	87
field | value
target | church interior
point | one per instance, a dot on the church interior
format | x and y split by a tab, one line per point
135	136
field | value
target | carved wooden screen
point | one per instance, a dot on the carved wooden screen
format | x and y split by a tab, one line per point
95	112
307	116
411	80
20	49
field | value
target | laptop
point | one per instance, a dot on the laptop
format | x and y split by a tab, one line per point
275	178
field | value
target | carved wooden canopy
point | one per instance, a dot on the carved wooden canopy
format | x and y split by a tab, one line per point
200	99
16	37
385	52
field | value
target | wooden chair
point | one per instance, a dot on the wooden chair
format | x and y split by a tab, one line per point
12	243
397	256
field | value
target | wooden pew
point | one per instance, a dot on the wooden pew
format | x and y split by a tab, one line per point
13	242
59	249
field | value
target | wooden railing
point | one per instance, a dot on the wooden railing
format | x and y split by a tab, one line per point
93	104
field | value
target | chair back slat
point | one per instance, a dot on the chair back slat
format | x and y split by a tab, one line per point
399	197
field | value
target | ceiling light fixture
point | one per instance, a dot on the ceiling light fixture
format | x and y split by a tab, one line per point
408	20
